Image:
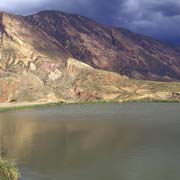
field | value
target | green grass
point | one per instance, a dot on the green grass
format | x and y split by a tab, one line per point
8	170
30	106
85	102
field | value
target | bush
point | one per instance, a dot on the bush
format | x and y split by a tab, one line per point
8	170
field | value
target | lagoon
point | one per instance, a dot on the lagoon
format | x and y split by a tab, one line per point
128	141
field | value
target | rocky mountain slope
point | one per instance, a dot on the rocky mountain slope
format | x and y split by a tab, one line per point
112	49
35	66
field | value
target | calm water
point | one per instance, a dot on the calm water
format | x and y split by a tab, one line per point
131	141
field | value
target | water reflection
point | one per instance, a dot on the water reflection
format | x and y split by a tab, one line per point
55	144
64	142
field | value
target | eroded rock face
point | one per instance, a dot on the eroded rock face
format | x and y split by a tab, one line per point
113	49
35	66
24	46
80	82
28	57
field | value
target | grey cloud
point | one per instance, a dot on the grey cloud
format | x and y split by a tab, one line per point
168	9
157	18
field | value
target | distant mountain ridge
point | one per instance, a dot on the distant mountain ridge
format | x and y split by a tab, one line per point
108	48
54	56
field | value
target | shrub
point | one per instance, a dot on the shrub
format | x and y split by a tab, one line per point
8	170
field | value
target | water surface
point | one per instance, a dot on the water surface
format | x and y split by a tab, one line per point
130	141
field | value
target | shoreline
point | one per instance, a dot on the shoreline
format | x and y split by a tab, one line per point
31	105
26	105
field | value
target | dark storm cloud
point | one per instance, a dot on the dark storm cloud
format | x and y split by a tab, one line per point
168	9
156	18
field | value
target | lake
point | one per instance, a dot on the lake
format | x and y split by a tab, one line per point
128	141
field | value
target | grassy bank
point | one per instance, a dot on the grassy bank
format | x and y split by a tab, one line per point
19	107
8	170
33	106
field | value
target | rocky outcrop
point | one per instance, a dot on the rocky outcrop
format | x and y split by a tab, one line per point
80	82
35	66
25	47
112	49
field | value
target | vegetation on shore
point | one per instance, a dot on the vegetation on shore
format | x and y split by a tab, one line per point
8	170
4	109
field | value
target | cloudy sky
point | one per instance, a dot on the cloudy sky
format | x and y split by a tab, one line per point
157	18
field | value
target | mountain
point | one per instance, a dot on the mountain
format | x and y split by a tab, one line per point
177	48
37	66
112	49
